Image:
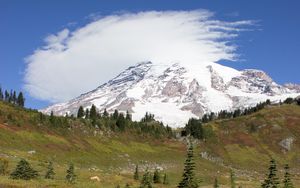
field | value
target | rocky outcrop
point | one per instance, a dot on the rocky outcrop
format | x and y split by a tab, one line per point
174	88
287	143
256	81
294	87
217	81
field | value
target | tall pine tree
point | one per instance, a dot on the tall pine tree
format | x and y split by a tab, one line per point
121	123
105	113
80	112
156	176
6	96
14	98
287	182
188	177
146	180
52	118
10	98
87	113
50	171
136	173
1	94
128	116
71	176
93	112
20	100
271	180
115	114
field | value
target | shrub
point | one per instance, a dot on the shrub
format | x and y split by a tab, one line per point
71	176
24	171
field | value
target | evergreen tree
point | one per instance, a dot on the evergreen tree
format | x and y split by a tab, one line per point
289	100
232	179
71	176
188	179
166	180
24	171
6	96
50	171
146	180
216	184
194	128
1	94
298	101
115	115
156	176
87	114
121	122
14	97
237	113
10	98
205	118
93	112
105	113
136	173
52	118
148	117
287	182
128	116
271	180
80	112
20	100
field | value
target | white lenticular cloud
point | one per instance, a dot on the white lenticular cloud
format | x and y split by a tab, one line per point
74	62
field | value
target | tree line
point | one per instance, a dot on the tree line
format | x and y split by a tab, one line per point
195	127
12	97
115	121
291	101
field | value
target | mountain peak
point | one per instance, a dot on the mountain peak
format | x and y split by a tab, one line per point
176	92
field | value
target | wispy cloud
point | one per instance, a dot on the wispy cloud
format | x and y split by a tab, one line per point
74	62
233	14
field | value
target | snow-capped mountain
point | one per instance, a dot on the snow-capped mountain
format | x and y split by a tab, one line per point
175	92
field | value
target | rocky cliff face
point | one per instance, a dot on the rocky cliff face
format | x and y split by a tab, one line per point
175	93
293	87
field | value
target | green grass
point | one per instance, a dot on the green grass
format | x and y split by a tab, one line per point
244	144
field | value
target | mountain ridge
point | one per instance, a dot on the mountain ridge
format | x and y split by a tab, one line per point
174	92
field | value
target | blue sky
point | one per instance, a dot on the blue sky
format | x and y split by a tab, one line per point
273	45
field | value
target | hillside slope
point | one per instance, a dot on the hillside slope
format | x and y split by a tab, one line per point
244	144
247	142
